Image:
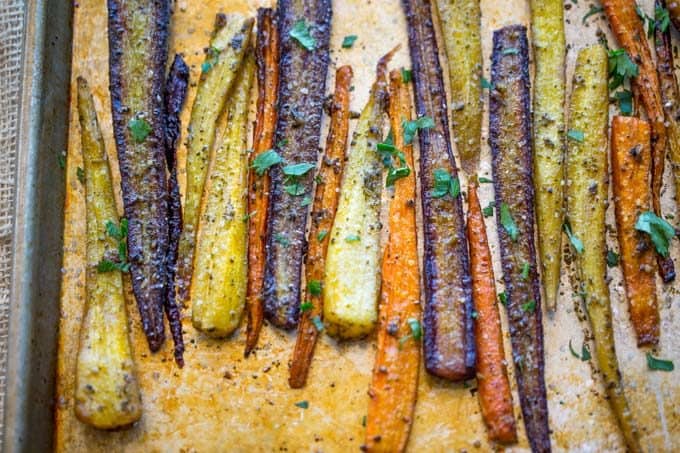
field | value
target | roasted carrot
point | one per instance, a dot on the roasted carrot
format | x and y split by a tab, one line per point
586	190
511	151
449	347
323	213
630	32
670	95
395	371
495	397
630	166
267	60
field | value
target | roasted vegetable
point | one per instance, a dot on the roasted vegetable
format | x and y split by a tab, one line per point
547	26
630	166
495	397
670	95
138	35
267	59
447	322
352	274
510	141
461	29
674	13
223	61
218	285
586	208
629	31
394	384
175	92
323	213
302	88
107	393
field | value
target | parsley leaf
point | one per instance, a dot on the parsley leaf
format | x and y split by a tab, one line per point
660	231
662	18
659	364
306	201
444	184
625	98
302	404
119	233
503	298
314	287
306	306
486	84
575	242
488	210
411	127
282	239
508	222
621	67
322	235
529	306
300	32
585	352
578	136
416	331
352	238
348	41
318	324
139	129
525	271
394	174
406	75
298	169
593	10
510	51
294	189
264	160
612	259
483	180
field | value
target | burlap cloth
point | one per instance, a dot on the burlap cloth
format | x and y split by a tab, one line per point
11	51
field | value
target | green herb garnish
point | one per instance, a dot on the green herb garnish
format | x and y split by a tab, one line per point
529	306
659	364
352	238
488	210
660	231
300	32
510	51
302	404
625	98
139	129
593	10
585	352
264	160
411	127
612	259
525	271
444	184
578	136
483	180
621	68
314	287
575	242
306	306
282	239
318	324
406	75
119	233
508	223
503	298
486	84
348	41
321	235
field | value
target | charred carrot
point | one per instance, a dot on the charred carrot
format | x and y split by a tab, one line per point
510	141
670	95
630	166
323	213
267	60
449	345
395	371
495	397
587	189
302	87
629	31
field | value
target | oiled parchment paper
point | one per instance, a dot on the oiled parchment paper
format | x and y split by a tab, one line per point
222	402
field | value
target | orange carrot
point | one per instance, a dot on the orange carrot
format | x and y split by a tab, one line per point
395	372
630	169
495	398
267	58
323	212
630	32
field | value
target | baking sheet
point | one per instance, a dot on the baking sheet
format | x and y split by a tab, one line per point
221	401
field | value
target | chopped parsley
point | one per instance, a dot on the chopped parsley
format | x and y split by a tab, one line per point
416	331
654	363
662	18
80	173
282	239
593	10
300	32
265	160
625	98
575	242
298	169
389	153
406	75
314	287
411	127
352	238
660	231
510	51
306	201
503	298
394	174
488	210
621	68
302	404
119	233
483	180
444	184
293	173
612	258
211	59
529	306
321	235
318	324
348	41
508	222
139	129
306	306
486	84
525	271
585	352
294	189
576	135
